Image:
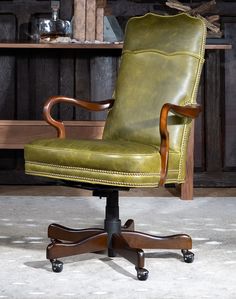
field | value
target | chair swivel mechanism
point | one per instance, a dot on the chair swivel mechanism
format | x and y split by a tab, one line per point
144	142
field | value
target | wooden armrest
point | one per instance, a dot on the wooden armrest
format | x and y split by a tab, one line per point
59	125
191	111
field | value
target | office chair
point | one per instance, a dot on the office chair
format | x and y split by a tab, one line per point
144	143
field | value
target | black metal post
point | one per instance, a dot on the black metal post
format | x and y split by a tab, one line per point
112	223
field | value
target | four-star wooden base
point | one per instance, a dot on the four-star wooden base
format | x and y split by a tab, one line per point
117	239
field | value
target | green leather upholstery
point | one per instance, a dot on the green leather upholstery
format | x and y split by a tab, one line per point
109	162
161	62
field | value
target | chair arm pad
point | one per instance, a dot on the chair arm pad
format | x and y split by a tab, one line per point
93	106
191	111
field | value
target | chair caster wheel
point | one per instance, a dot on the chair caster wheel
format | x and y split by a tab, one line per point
188	256
57	266
142	274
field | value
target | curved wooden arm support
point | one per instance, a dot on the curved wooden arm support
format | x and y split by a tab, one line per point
191	111
59	125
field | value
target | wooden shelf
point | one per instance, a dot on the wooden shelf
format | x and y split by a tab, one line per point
15	45
18	45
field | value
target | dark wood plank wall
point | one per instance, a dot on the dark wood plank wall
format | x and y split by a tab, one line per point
29	76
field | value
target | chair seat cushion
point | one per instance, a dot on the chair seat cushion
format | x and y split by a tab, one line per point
119	163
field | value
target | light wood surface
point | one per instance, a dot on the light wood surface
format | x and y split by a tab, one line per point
14	133
15	45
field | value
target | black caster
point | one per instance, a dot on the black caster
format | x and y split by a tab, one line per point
188	256
57	266
142	274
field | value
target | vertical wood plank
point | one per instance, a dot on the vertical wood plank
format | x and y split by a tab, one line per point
82	84
187	186
7	28
7	67
7	85
66	9
213	112
22	89
230	100
44	75
103	77
199	144
66	84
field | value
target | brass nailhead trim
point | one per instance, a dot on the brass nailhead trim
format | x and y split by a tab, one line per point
91	179
98	170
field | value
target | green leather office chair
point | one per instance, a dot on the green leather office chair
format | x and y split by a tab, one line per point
144	142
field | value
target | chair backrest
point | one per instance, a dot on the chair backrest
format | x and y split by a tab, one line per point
161	62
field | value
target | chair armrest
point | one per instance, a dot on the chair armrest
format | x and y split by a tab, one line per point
190	111
59	125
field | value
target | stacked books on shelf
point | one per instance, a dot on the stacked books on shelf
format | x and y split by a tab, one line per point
88	21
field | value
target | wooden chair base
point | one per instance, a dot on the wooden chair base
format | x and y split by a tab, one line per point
117	239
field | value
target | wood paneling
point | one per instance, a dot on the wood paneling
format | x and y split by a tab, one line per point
199	152
23	99
23	10
7	67
213	138
66	83
82	85
230	101
103	76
